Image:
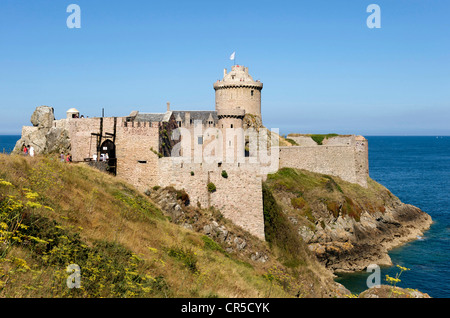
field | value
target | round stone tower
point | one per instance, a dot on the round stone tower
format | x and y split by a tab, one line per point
238	90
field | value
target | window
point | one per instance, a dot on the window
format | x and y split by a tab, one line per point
251	92
200	140
231	125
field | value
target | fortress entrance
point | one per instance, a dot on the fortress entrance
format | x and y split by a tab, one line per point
108	155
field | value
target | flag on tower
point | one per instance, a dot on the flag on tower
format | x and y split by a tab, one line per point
232	56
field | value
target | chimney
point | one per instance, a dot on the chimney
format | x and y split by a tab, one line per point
187	119
224	72
168	106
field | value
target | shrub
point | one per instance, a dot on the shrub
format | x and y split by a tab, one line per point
224	174
330	185
211	187
192	173
211	244
156	188
183	196
318	138
351	209
298	203
186	256
292	141
279	232
333	207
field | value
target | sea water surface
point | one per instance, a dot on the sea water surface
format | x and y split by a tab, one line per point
7	143
417	171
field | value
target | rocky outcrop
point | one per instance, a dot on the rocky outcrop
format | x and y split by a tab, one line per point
346	226
211	223
44	136
236	241
43	117
385	291
349	245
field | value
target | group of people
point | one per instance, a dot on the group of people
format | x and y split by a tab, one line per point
28	150
64	158
103	157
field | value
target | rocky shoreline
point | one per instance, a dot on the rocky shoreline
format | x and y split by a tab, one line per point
346	226
346	245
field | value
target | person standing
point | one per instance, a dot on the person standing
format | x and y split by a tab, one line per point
25	150
31	149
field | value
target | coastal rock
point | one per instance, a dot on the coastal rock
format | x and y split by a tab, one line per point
349	245
43	117
231	238
57	141
43	136
385	291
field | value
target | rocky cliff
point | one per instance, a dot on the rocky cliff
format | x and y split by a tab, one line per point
44	135
346	226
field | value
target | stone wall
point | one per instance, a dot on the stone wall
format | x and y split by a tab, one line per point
246	98
136	162
238	197
346	158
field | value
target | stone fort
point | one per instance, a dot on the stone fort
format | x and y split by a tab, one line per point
166	149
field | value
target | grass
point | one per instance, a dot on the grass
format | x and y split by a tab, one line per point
280	233
54	214
318	138
307	191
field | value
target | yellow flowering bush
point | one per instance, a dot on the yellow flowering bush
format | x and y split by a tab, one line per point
394	280
280	276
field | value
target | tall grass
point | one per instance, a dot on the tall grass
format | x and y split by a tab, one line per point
54	214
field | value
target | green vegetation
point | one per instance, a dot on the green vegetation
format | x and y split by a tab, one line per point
292	141
307	191
280	233
318	138
224	174
53	215
186	256
211	244
211	187
160	155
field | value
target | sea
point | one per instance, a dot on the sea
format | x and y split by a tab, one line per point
417	171
8	142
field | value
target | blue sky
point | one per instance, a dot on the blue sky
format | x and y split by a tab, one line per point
323	69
